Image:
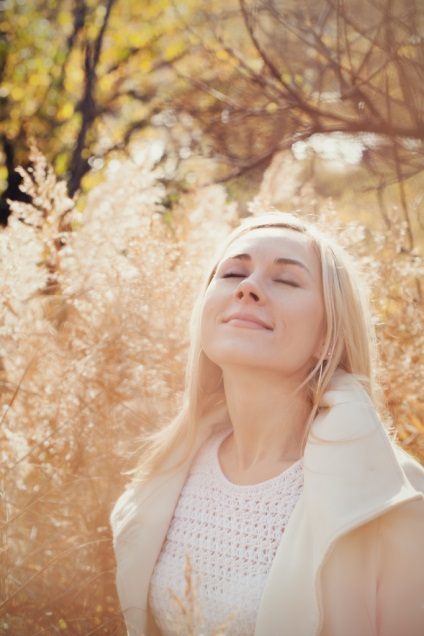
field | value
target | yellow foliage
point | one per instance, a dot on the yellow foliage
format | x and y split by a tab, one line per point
272	107
17	93
408	51
65	111
222	55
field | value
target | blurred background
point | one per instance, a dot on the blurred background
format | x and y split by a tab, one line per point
133	135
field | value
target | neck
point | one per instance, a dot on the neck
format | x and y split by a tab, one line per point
268	416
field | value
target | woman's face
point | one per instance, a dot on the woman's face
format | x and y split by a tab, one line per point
264	307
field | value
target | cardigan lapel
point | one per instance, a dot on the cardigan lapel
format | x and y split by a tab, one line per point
148	513
351	475
140	521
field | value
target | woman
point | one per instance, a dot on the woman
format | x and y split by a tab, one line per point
275	503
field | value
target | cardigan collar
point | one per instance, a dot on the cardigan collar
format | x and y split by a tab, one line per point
352	475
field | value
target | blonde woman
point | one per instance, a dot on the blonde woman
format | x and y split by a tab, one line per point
275	503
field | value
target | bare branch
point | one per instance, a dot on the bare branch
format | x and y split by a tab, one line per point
87	106
296	100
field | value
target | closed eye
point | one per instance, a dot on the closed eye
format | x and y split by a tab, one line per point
233	275
292	283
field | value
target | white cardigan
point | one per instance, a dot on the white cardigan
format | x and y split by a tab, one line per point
351	560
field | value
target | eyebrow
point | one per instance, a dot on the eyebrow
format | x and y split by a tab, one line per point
281	260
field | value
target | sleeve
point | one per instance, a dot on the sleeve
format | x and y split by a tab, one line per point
400	569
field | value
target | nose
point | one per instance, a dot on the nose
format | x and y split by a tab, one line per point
248	290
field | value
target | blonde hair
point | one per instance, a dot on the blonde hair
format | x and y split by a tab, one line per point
349	342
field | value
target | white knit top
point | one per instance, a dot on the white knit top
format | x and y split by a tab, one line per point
219	548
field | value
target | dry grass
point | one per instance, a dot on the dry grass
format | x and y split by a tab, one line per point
93	324
395	276
187	609
93	340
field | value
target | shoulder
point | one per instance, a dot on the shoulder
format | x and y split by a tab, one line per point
348	414
407	519
352	465
400	570
412	468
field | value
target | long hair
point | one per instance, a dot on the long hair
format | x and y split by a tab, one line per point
349	343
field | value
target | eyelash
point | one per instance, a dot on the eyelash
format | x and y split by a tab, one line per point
284	282
288	282
233	275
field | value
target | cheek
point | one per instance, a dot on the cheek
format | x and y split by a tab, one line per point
306	309
209	341
214	340
212	302
307	321
204	331
315	327
207	319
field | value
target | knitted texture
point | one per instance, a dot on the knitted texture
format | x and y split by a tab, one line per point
219	548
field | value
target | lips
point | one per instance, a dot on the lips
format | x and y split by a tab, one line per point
246	320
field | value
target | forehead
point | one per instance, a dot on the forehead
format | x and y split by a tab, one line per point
274	242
